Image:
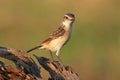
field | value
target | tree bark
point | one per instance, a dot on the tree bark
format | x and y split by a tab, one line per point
27	69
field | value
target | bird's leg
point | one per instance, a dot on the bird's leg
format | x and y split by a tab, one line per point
59	59
51	55
57	54
62	65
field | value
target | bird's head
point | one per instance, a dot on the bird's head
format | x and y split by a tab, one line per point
68	18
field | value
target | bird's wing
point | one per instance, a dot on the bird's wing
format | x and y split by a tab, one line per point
57	33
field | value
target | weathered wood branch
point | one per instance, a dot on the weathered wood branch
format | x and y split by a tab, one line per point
22	60
27	69
10	73
57	70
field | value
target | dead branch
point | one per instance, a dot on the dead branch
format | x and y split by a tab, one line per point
27	69
22	61
57	70
10	73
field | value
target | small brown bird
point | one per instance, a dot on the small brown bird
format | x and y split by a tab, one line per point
58	38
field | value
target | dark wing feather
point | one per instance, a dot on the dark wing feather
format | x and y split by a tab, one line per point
33	48
59	32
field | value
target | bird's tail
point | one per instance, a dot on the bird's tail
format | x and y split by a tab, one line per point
33	49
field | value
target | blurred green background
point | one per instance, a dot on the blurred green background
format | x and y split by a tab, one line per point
94	49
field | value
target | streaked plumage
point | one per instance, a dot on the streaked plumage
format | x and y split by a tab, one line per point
59	37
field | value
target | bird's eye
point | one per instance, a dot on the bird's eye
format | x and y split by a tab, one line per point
66	17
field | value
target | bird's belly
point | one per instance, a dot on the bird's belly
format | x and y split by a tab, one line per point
56	44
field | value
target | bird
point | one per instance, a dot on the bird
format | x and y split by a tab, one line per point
59	37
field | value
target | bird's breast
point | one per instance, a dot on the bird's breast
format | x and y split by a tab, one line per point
59	42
